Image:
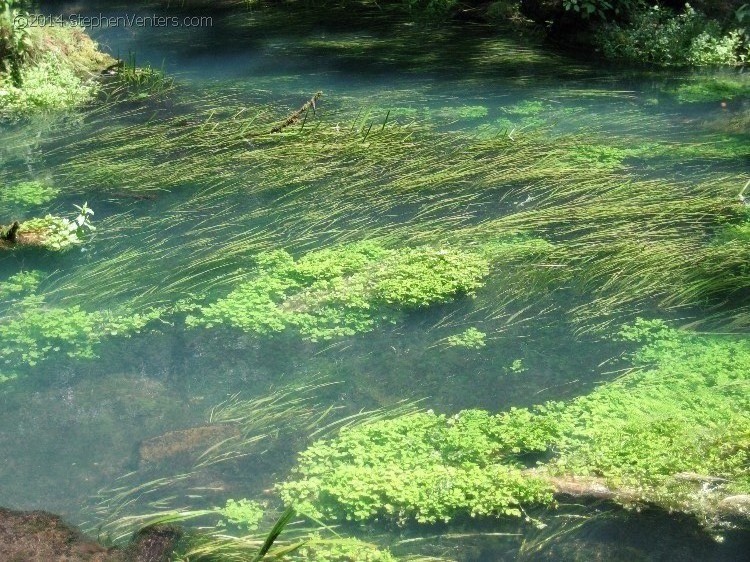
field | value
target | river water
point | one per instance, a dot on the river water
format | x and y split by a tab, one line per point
71	426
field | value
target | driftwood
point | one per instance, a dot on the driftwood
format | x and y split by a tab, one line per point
295	117
11	234
10	237
593	488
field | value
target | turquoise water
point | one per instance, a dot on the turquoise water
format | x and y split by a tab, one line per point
72	426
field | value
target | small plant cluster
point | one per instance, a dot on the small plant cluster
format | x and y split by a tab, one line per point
242	514
343	291
659	36
58	233
27	193
19	284
684	410
470	338
33	330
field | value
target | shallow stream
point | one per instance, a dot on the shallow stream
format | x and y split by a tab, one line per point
177	219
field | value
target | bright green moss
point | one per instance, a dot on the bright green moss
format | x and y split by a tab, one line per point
343	291
685	409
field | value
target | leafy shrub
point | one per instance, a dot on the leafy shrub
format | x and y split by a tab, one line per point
48	85
429	9
659	36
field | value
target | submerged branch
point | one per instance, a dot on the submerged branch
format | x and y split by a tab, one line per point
294	117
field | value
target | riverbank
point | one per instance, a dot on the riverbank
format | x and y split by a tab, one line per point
43	68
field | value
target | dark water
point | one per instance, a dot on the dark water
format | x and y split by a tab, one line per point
72	426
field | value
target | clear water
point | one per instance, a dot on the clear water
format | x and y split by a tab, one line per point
71	427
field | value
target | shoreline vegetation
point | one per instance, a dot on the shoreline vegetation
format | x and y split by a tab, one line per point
45	68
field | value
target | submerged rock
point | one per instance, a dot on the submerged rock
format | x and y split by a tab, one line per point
183	442
37	536
735	505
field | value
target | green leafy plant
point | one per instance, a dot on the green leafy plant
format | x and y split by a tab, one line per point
588	8
685	409
343	291
516	367
470	338
21	283
14	41
57	233
659	36
243	514
28	193
48	84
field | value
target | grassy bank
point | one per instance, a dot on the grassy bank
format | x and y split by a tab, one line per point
44	68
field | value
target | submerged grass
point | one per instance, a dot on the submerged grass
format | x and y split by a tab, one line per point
208	189
236	529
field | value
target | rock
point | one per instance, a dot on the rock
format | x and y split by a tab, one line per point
735	505
42	537
37	536
154	544
184	441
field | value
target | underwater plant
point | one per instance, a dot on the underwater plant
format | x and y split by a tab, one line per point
469	338
343	291
27	193
672	432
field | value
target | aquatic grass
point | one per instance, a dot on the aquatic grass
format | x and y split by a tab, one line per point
236	528
242	192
